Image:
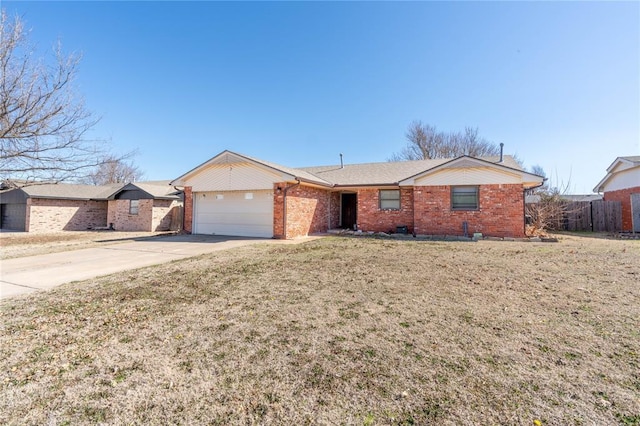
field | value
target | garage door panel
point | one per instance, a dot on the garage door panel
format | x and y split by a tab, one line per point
234	213
13	216
232	218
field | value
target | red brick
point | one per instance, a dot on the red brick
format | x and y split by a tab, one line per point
309	210
624	196
188	210
500	213
371	218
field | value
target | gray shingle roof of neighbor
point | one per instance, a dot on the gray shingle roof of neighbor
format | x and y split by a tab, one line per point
389	173
157	189
70	191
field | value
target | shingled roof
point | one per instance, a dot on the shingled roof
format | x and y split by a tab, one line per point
367	174
69	191
157	189
388	173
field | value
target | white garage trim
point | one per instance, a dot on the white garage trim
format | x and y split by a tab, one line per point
234	213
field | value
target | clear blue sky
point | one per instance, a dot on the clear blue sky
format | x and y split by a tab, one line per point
297	83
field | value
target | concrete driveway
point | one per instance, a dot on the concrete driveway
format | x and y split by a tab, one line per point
33	273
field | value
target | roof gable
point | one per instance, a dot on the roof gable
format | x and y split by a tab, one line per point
619	165
229	166
231	158
154	189
472	170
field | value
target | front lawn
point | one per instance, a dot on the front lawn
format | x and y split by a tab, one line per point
337	331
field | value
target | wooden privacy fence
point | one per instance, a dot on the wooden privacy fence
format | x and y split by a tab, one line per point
597	216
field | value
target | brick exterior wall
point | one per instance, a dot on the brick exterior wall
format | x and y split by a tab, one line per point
308	211
188	210
624	196
123	221
164	214
371	218
335	210
500	213
424	210
45	215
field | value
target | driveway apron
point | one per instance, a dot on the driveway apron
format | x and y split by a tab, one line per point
33	273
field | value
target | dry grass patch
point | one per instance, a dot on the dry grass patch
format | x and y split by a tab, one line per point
22	244
337	331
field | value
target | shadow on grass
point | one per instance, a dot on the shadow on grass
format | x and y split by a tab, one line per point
588	234
181	238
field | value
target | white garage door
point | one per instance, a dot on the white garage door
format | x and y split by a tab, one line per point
238	213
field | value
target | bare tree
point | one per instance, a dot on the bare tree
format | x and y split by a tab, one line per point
548	208
43	123
113	169
538	170
425	142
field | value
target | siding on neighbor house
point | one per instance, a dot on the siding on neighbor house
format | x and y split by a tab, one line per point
309	210
623	179
371	218
52	215
500	212
624	196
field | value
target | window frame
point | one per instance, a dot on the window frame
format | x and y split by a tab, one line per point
476	192
134	208
381	199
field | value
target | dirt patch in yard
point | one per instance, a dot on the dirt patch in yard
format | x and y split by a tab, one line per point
337	331
23	244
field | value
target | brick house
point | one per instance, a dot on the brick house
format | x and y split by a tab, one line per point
622	183
232	194
145	206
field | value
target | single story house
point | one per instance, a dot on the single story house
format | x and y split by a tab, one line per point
233	194
145	206
622	183
140	206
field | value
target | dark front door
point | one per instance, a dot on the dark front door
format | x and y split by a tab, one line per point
349	209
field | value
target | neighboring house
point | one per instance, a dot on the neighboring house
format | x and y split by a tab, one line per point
576	198
144	206
622	183
232	194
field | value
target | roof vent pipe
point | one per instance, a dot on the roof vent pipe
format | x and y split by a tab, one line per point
341	163
501	151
